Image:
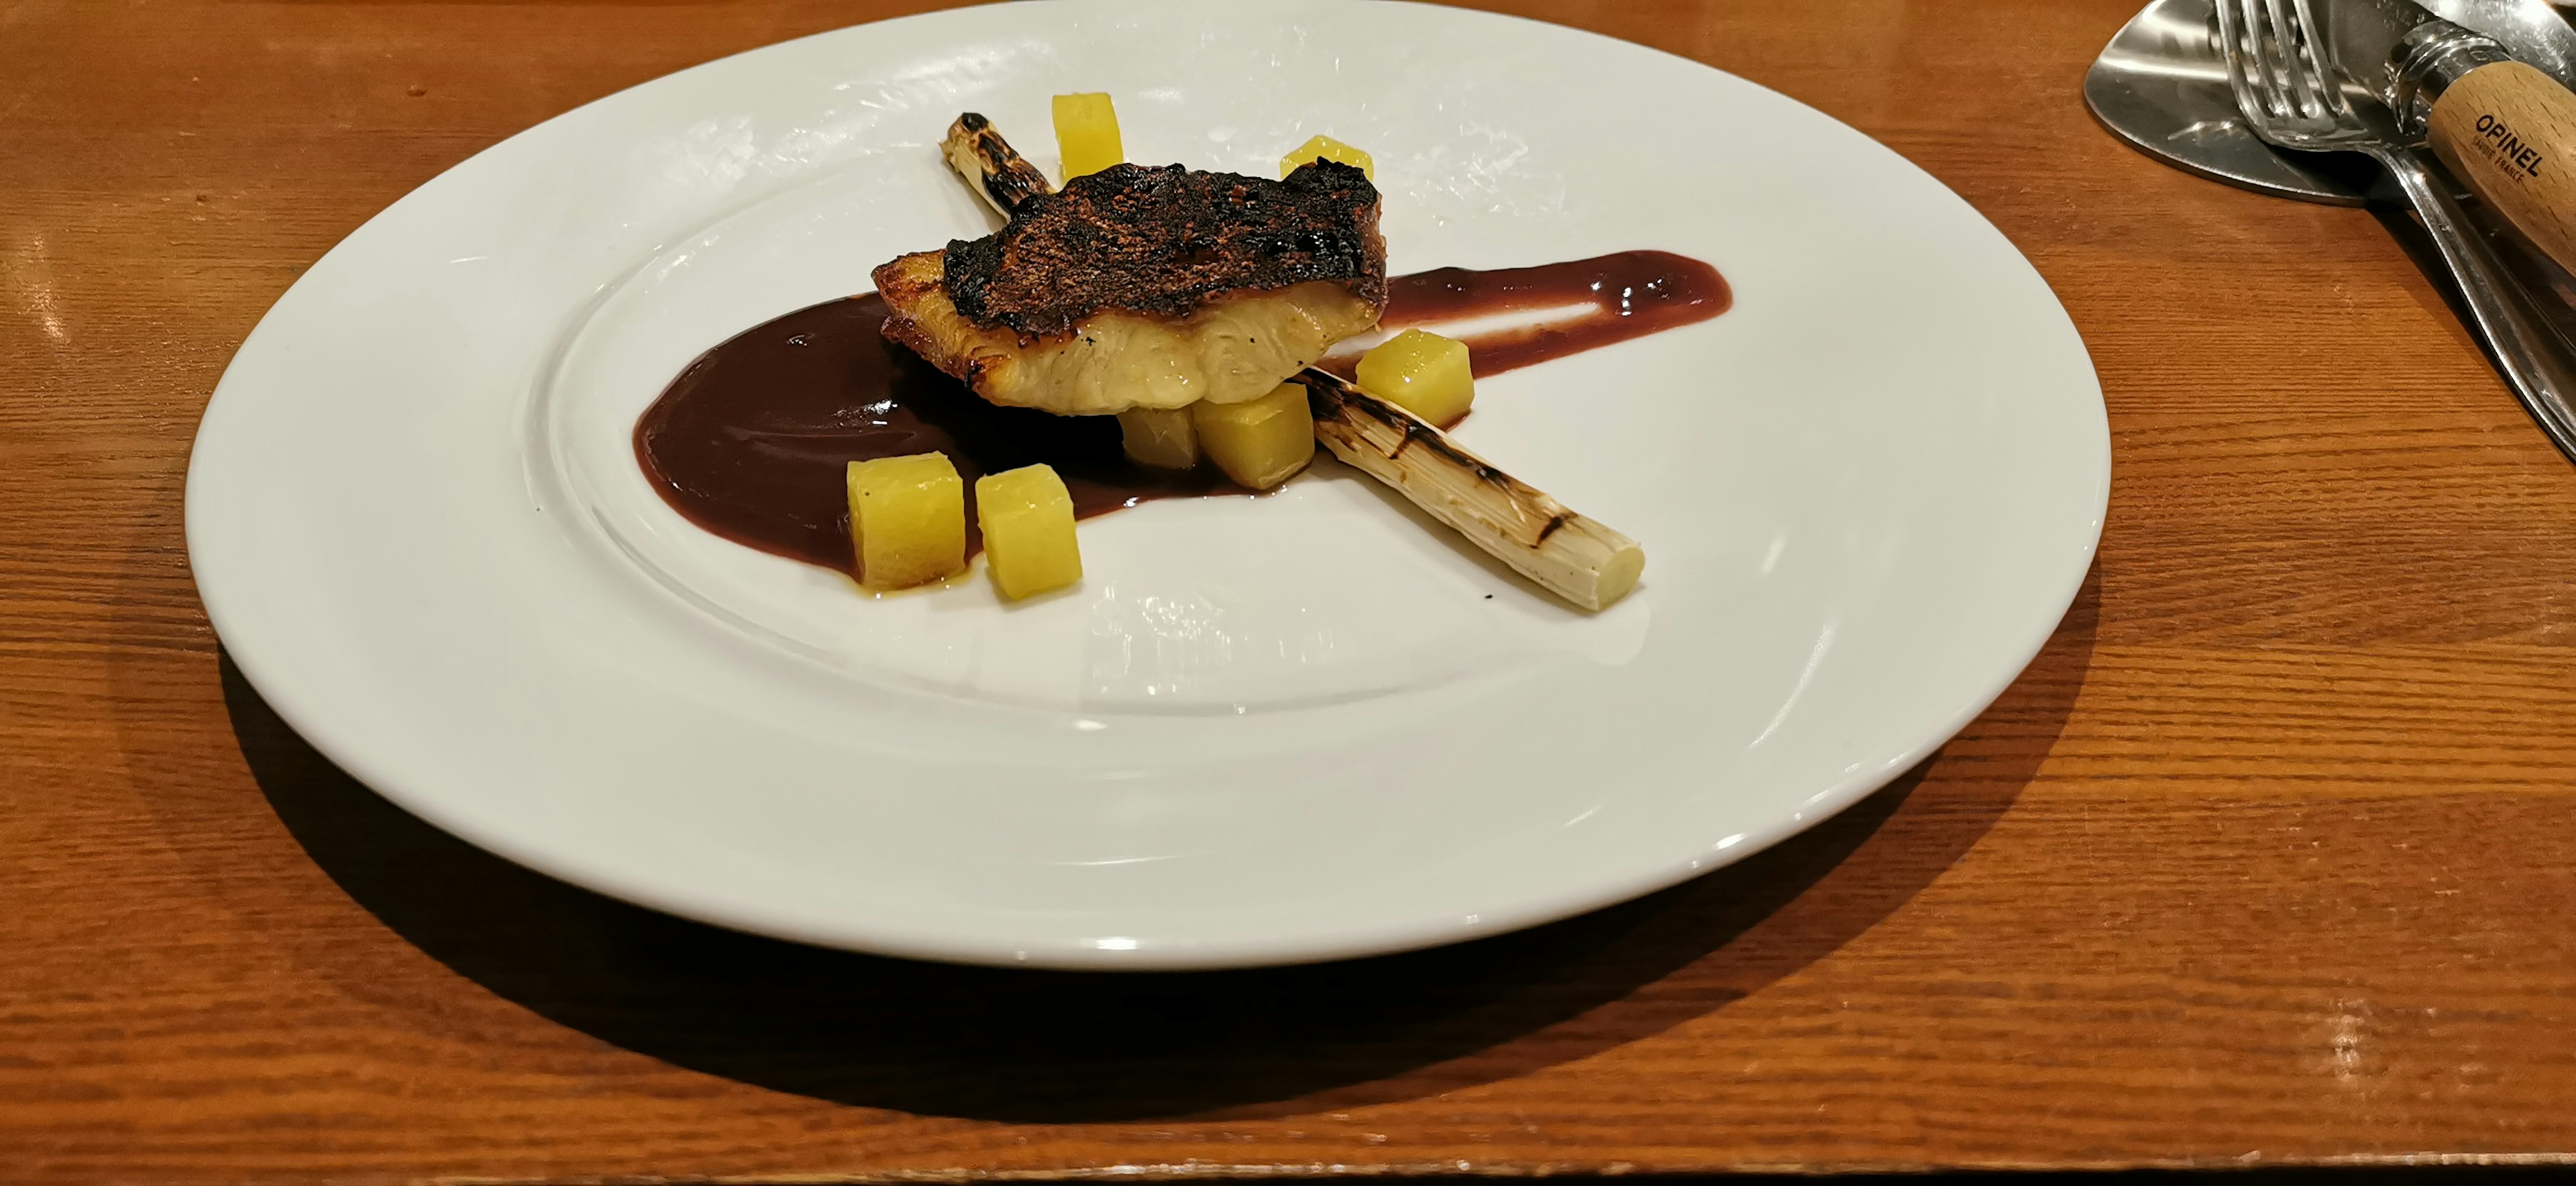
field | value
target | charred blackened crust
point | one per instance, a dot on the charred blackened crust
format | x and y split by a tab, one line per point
1166	241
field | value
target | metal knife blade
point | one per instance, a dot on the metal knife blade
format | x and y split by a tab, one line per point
2532	32
2364	34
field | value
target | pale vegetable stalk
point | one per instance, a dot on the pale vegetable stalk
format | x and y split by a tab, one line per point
1573	556
998	172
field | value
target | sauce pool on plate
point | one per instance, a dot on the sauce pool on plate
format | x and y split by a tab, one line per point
751	441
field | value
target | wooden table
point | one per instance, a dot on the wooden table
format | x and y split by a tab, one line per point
2270	858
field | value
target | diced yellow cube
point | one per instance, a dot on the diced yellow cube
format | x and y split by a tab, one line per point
1161	437
1259	443
1326	148
907	520
1428	375
1086	134
1027	519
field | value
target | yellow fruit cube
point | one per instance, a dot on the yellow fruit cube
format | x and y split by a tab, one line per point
1028	530
1086	134
1326	148
1161	437
1426	374
1259	443
907	520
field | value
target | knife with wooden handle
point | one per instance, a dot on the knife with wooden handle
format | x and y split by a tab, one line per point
2509	132
2504	128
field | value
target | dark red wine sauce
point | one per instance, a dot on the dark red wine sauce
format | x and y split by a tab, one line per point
752	440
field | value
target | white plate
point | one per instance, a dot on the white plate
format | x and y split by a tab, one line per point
1294	728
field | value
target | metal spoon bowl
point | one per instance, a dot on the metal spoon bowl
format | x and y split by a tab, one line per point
2161	85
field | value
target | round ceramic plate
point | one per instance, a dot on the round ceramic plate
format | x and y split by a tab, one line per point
1299	727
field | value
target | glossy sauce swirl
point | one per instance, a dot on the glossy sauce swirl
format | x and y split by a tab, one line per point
752	439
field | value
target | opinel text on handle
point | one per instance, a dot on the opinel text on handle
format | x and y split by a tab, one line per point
2509	132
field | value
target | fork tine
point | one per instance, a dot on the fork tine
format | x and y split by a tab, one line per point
2249	33
2318	61
2249	67
2241	59
2283	77
2300	86
2271	42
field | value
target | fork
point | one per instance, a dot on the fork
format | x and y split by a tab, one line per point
2292	94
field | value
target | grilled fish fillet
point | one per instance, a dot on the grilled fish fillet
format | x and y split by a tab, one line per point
1139	287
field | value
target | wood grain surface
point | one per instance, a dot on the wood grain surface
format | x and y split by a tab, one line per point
2269	859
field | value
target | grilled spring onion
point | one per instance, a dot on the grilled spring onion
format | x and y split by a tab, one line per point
990	164
1570	555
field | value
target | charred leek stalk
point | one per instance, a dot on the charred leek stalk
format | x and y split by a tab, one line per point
990	164
1570	555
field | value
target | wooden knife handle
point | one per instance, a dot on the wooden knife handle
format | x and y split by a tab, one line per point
2509	131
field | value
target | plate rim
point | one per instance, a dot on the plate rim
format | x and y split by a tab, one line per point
276	687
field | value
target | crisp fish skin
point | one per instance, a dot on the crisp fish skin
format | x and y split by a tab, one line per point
1148	287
